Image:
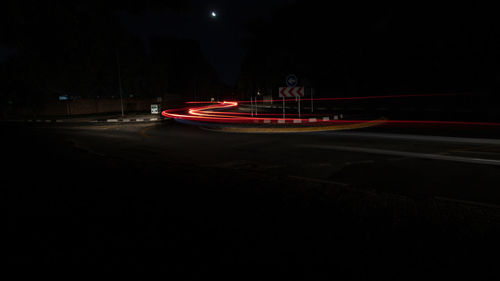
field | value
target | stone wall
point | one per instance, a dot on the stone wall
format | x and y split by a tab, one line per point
82	106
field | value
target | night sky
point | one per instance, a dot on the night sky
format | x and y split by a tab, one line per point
220	37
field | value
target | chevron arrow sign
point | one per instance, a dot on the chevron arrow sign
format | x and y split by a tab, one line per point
291	92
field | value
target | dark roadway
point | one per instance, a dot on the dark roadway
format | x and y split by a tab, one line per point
351	205
342	157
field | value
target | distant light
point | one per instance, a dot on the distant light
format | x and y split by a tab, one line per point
214	14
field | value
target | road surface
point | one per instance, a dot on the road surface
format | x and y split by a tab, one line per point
350	204
408	164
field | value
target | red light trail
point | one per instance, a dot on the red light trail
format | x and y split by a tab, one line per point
208	114
337	98
219	113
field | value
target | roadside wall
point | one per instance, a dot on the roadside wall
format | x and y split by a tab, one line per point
92	106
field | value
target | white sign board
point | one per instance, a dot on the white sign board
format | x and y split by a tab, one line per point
291	80
291	92
154	109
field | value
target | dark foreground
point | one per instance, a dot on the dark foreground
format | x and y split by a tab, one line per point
74	209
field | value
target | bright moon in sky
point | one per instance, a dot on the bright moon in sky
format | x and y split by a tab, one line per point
214	14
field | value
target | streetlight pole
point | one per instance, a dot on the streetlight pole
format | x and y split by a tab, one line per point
119	80
251	105
256	99
312	104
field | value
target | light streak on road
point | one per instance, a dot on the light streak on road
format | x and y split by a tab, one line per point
224	112
208	114
338	98
407	154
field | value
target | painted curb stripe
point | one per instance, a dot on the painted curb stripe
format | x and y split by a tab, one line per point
302	129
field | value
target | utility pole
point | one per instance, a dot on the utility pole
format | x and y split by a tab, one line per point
312	104
255	102
119	80
251	106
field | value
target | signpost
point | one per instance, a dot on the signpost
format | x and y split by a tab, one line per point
154	109
251	106
291	92
291	80
66	99
312	105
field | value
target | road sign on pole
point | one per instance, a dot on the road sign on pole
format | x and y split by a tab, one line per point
154	109
291	80
299	107
291	92
283	107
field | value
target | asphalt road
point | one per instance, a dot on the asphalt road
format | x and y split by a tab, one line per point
408	164
352	205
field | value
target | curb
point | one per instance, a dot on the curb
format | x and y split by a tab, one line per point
112	120
301	129
131	120
297	121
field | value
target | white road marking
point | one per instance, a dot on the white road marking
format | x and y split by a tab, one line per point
417	137
479	152
467	202
407	154
360	162
318	180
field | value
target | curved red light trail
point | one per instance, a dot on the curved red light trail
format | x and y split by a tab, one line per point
208	114
337	98
213	113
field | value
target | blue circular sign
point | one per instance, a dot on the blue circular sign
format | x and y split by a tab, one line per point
291	80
